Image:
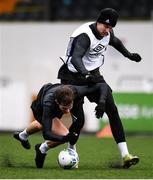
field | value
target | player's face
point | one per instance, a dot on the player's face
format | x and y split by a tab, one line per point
103	29
65	109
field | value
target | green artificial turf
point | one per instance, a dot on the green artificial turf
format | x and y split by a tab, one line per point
99	159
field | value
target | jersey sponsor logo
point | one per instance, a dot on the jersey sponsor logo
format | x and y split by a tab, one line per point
98	48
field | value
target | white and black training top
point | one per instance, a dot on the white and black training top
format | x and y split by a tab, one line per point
94	56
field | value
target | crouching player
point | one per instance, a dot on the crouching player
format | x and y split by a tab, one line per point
52	102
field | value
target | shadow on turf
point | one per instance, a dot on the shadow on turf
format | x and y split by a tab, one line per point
116	165
6	162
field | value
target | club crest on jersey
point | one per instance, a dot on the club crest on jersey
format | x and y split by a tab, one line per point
98	48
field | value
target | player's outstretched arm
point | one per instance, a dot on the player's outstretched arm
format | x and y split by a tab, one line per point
118	45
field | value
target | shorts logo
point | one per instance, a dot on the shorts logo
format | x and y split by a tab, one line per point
98	48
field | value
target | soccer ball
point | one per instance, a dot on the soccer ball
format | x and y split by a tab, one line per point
68	159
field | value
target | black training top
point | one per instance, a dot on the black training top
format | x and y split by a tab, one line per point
45	108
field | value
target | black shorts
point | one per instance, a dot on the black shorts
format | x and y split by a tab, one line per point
68	77
37	111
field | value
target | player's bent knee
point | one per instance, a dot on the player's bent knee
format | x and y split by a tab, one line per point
38	125
59	128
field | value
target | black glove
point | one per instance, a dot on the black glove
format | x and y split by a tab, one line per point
91	79
100	109
134	57
71	137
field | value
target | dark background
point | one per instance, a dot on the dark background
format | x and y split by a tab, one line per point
71	10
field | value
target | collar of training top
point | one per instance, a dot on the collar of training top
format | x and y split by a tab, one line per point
95	32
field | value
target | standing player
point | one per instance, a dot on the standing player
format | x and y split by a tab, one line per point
84	57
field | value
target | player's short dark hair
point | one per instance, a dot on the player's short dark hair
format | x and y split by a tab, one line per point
64	95
108	16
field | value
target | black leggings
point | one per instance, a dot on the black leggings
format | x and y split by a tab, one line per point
114	119
113	115
111	111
